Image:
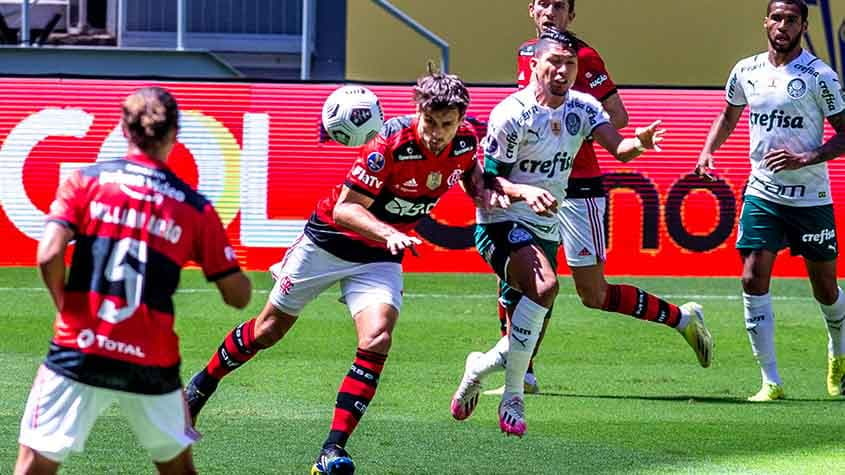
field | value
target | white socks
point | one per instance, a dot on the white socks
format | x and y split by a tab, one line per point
834	315
760	324
492	361
526	323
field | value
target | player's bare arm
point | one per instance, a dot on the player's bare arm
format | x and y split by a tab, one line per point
236	289
615	108
625	150
782	159
51	259
353	213
721	129
472	182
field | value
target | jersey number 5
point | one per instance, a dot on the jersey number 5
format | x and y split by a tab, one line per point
127	266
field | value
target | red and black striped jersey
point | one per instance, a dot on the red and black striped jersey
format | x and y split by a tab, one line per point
594	80
135	226
404	179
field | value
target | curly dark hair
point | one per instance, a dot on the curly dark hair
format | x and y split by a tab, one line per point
149	115
438	91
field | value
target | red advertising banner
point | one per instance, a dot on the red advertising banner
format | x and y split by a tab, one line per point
255	151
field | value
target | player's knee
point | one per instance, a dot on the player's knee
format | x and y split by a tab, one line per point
377	342
827	295
547	290
753	284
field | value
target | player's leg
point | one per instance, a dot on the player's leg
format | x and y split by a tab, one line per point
831	301
761	235
596	292
530	271
31	462
182	464
163	427
760	320
374	296
57	420
813	236
305	272
583	233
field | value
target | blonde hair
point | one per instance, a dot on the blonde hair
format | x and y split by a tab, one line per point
149	115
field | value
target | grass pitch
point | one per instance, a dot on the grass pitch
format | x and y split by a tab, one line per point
619	396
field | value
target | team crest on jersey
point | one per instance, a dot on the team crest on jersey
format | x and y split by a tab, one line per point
375	161
555	127
796	88
518	236
573	123
434	180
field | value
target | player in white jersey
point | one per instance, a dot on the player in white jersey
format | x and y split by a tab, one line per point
790	93
533	136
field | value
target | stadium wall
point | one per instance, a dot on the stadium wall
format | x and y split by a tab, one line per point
658	42
254	149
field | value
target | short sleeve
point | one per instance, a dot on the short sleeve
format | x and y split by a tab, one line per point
830	97
67	207
596	79
371	169
523	64
214	254
734	93
501	144
596	116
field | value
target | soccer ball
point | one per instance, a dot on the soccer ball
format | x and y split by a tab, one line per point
352	115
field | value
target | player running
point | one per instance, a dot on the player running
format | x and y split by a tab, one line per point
788	202
357	237
582	212
135	225
532	140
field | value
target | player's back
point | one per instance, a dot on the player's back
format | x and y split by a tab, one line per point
135	224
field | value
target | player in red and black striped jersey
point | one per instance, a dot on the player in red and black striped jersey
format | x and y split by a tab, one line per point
135	225
584	208
357	237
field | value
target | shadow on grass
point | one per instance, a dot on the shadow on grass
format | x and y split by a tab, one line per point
690	399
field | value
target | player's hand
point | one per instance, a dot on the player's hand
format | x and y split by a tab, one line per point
704	167
539	200
651	136
397	242
782	159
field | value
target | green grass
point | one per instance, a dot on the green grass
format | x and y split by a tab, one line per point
619	396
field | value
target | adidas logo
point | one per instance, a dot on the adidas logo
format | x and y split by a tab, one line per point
412	183
585	252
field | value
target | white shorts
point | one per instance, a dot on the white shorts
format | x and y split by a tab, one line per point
307	270
582	230
60	413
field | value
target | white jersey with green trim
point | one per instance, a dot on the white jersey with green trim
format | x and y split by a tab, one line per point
788	106
531	144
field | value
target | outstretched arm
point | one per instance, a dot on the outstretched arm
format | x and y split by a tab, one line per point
721	129
624	149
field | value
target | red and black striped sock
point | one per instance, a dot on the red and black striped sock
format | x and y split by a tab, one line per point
237	348
356	391
640	304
